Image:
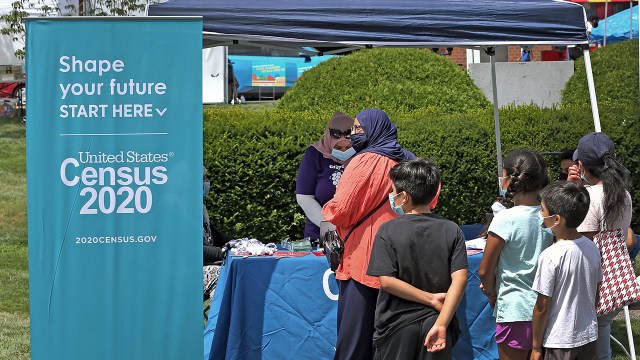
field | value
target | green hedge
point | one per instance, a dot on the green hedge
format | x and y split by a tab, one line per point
389	79
615	73
253	157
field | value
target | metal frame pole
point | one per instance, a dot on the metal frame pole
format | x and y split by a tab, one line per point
496	115
606	8
592	89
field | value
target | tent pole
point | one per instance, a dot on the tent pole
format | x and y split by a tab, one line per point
606	8
592	89
226	75
631	19
496	116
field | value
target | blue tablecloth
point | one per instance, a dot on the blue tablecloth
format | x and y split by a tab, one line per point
265	308
477	324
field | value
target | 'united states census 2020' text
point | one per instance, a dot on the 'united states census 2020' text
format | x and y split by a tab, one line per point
108	189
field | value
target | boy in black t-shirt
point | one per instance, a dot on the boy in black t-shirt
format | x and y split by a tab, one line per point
421	261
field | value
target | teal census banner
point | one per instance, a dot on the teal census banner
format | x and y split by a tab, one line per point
114	182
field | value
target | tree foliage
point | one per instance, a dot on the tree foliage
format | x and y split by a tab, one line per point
390	79
20	9
253	157
615	74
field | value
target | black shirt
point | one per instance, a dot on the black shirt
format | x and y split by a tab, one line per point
422	250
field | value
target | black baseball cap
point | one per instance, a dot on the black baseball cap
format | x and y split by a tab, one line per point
592	149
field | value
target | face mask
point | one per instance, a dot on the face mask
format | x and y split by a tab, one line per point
358	141
503	192
547	229
564	176
206	186
582	177
343	155
396	209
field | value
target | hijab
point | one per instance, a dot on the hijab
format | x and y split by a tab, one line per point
338	121
382	135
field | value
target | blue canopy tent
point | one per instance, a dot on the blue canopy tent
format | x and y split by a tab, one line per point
619	27
333	26
398	23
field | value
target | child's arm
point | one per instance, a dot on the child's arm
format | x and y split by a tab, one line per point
487	269
540	317
409	292
436	338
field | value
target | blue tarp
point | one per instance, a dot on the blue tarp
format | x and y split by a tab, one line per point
618	27
391	23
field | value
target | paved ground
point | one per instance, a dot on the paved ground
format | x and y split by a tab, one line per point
634	312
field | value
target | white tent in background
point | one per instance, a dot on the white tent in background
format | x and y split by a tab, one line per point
8	47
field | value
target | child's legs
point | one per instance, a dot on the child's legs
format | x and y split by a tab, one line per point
514	340
604	335
408	343
400	345
584	352
508	353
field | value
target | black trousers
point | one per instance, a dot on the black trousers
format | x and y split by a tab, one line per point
356	313
407	343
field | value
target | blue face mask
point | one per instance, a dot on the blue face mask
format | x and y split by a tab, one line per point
503	192
396	209
358	141
343	155
547	229
206	186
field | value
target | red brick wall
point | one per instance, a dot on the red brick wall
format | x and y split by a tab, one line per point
459	55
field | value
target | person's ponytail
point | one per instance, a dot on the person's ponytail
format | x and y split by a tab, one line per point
614	178
527	171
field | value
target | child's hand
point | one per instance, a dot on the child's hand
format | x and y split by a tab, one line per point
491	295
437	301
535	354
436	339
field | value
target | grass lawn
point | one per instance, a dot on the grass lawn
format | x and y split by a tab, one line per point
14	278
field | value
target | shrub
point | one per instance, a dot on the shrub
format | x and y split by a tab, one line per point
253	158
395	80
615	72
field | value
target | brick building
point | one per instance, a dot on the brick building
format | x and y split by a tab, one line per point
596	7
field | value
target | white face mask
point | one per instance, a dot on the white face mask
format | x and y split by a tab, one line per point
582	177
